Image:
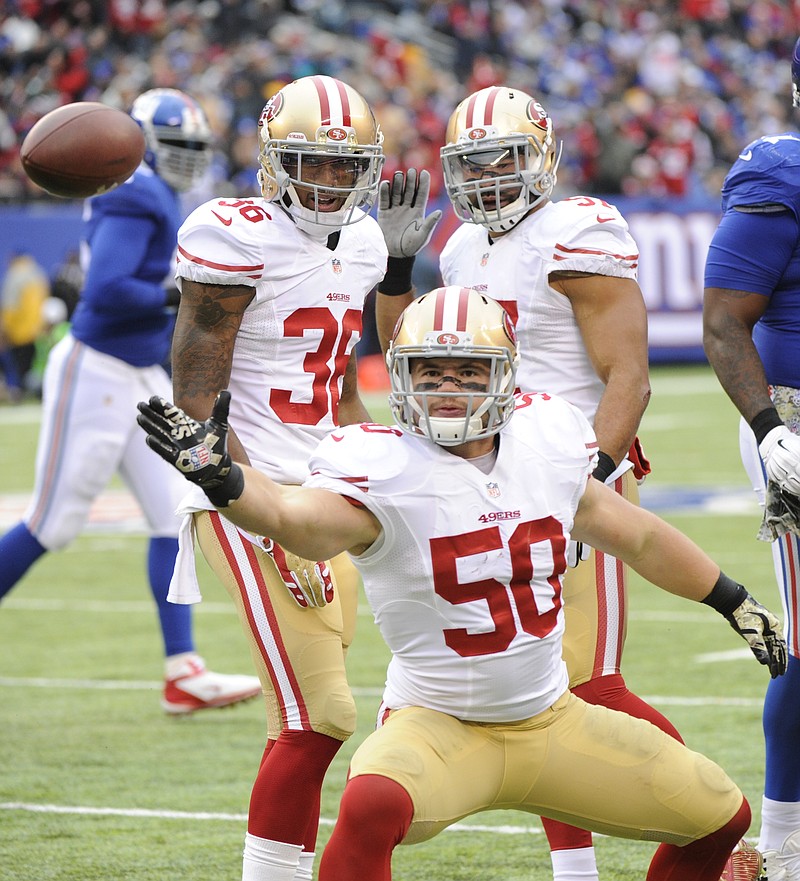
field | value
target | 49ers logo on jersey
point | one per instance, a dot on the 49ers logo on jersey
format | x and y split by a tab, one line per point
497	516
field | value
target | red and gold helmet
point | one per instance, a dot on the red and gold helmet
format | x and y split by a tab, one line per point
501	157
314	123
462	323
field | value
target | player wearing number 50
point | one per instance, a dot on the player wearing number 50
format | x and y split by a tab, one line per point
566	272
458	521
272	295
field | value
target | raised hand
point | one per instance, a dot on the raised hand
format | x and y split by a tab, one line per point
197	449
401	212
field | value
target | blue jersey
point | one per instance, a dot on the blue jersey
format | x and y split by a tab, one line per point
129	238
756	247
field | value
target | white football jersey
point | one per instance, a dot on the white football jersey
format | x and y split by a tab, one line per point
297	334
464	582
581	233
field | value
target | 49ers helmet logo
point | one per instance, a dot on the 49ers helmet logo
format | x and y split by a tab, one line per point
337	134
447	339
508	327
476	134
272	108
537	115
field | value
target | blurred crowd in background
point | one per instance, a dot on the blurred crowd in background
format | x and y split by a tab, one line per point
651	97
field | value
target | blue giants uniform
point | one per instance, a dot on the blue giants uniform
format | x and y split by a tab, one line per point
130	234
756	249
113	356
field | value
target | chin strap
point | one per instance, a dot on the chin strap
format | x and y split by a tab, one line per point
451	431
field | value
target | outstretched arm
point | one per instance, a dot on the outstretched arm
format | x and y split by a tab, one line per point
672	561
312	523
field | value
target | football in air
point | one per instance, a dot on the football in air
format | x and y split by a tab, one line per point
82	149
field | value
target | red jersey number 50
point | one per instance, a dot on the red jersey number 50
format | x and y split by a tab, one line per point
445	553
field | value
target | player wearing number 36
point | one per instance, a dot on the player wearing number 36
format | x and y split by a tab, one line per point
458	520
272	292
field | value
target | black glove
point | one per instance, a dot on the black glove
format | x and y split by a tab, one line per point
197	449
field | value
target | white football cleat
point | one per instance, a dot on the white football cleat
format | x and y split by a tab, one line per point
189	686
744	864
784	864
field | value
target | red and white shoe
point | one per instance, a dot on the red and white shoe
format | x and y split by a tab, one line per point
744	864
189	686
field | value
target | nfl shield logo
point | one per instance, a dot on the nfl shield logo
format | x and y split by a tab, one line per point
337	265
485	259
493	489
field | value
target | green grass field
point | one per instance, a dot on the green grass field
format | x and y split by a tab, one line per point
97	783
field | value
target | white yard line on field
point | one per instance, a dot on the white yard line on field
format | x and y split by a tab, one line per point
144	685
204	815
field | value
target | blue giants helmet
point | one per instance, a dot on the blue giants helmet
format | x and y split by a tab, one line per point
177	134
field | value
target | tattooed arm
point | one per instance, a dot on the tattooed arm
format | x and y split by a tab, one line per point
202	348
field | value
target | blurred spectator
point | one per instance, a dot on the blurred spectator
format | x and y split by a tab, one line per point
54	328
659	95
24	290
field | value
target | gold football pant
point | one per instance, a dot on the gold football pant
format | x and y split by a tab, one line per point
298	652
584	765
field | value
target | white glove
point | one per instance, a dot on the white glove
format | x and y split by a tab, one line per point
780	452
309	582
401	212
577	551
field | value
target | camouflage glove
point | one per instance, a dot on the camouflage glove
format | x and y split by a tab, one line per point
762	632
197	449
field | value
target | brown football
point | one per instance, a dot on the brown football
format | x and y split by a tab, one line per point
82	149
